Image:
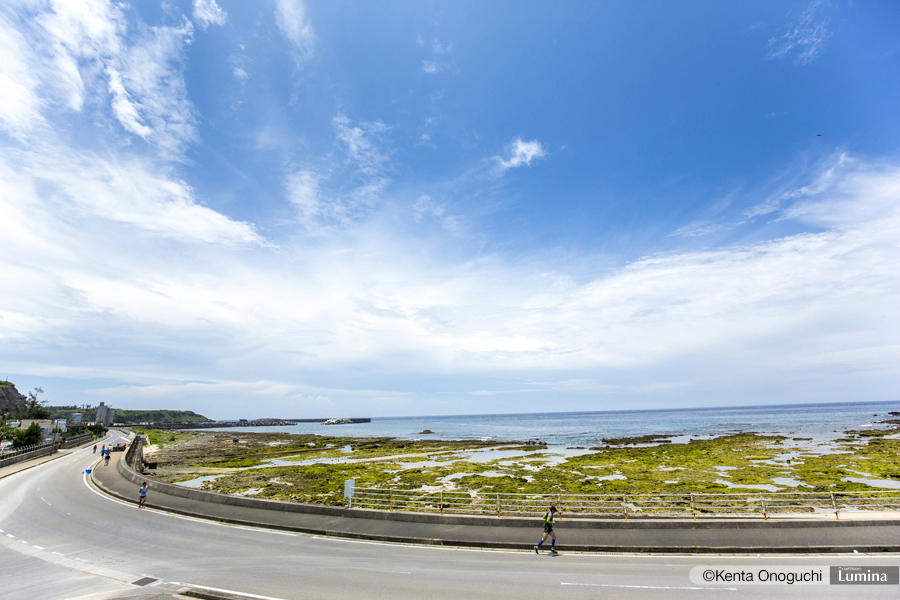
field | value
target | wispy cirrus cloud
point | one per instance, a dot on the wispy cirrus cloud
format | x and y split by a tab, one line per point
349	188
698	229
832	169
363	142
207	13
76	52
439	48
805	38
521	153
81	68
290	15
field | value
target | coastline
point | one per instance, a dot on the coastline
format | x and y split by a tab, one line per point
821	422
309	468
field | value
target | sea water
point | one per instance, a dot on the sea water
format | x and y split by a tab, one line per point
821	422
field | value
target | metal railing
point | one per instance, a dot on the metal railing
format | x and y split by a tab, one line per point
9	451
762	504
26	453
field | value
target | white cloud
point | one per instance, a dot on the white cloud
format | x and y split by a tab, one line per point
290	15
303	193
127	190
368	301
152	77
363	142
833	168
429	66
125	110
804	39
697	228
437	48
240	73
521	153
77	49
62	46
20	105
207	12
426	205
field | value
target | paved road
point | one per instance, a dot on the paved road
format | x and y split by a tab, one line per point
62	539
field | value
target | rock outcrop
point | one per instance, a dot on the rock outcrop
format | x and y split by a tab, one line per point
10	397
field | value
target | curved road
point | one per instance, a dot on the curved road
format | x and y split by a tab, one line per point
62	539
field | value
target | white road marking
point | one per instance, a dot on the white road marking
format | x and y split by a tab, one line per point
212	589
421	546
648	587
45	502
182	517
9	535
265	530
401	572
39	547
58	553
22	542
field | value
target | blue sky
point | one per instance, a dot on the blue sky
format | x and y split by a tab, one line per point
295	209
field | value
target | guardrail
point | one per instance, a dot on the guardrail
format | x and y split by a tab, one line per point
26	452
6	452
763	504
71	442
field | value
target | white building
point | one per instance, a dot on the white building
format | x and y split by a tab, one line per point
105	415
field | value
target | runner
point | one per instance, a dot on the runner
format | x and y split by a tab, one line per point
143	495
95	448
106	464
548	530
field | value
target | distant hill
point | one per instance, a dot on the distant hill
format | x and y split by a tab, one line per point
122	415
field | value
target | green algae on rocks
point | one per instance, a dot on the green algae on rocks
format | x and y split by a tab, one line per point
310	468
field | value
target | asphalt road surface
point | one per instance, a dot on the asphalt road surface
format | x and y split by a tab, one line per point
62	539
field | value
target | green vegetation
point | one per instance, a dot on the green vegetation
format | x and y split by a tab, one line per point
30	408
129	416
28	437
158	417
740	463
162	438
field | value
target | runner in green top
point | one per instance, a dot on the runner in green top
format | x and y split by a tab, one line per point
548	530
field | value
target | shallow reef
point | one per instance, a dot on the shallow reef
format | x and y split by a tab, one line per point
311	468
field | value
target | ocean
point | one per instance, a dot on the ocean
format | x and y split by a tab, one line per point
821	422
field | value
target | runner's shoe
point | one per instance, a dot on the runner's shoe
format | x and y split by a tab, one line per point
554	552
536	551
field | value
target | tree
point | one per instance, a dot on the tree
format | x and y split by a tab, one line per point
7	433
32	408
97	429
28	437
